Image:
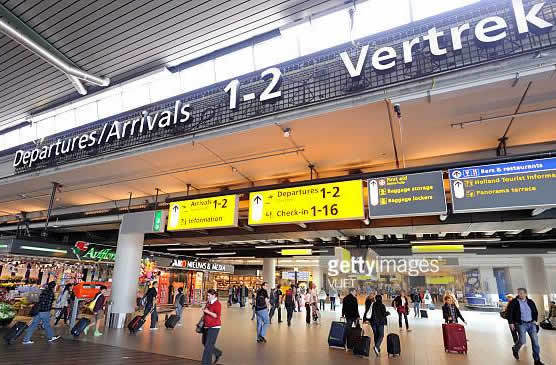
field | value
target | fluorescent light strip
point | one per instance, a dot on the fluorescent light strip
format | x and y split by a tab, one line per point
437	248
217	254
3	246
475	248
463	240
30	248
190	249
320	251
285	246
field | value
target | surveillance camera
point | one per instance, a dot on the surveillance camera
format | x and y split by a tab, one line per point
398	110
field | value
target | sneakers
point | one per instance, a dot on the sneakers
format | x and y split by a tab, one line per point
217	357
515	353
97	333
85	330
376	351
54	338
153	328
28	342
538	362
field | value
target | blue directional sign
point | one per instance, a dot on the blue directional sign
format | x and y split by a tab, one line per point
510	185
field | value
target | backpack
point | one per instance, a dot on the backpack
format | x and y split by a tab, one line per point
261	300
289	297
180	299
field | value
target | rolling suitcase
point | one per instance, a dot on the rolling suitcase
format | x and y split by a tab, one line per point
363	346
80	326
353	336
337	334
393	345
172	321
454	338
14	332
424	313
136	323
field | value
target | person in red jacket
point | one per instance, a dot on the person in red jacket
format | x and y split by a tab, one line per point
212	318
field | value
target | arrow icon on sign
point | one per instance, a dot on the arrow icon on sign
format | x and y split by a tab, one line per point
258	199
175	209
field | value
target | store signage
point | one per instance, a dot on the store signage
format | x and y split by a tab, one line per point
301	275
87	251
312	203
407	195
216	212
512	185
487	30
157	221
203	266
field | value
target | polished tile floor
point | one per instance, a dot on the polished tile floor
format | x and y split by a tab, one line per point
488	335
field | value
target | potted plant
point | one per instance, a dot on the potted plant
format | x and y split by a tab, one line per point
7	314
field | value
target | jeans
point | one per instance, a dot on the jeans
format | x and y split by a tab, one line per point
273	309
332	303
44	318
289	310
263	321
400	315
417	309
515	335
154	314
209	341
378	334
531	329
179	310
321	304
308	313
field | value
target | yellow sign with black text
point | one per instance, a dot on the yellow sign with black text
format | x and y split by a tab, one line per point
312	203
216	212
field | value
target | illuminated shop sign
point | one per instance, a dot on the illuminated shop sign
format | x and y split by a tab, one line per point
203	266
328	75
86	251
512	185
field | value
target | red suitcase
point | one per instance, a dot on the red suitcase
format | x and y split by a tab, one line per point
454	338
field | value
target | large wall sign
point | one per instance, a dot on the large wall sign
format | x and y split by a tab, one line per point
485	32
217	212
407	195
512	185
312	203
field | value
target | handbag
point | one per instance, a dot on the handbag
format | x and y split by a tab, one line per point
200	327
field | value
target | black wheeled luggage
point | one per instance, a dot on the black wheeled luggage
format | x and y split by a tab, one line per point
424	313
393	346
136	323
354	335
172	321
14	332
362	347
337	334
80	326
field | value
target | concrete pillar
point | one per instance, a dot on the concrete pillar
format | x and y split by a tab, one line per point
536	283
488	284
317	278
127	269
269	271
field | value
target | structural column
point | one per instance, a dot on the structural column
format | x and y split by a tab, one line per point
317	278
536	283
488	284
269	271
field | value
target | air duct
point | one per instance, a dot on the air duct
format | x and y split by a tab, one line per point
27	37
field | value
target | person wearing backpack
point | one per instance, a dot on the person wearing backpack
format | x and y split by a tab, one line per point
261	309
44	306
289	303
179	304
276	301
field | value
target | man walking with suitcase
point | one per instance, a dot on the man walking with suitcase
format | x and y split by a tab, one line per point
150	306
179	304
523	316
44	306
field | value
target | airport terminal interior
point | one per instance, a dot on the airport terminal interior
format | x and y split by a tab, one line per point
271	182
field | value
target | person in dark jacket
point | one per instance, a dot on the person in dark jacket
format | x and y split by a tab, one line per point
44	306
378	321
523	315
150	307
350	308
416	300
401	304
368	307
450	311
99	300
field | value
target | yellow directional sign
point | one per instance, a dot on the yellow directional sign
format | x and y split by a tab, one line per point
313	203
217	212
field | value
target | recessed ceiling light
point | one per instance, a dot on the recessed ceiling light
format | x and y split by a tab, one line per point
217	254
190	249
